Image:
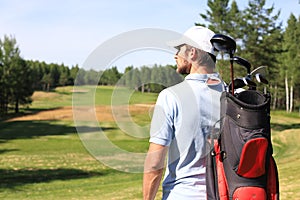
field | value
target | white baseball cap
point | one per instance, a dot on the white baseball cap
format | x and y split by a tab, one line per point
196	36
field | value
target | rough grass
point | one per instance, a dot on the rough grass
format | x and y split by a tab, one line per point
286	138
42	156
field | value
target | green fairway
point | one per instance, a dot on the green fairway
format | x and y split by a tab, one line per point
43	158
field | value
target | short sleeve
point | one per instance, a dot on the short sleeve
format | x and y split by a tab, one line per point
162	124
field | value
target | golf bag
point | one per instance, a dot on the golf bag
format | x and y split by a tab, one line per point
240	165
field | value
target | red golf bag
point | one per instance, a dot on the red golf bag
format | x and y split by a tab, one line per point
240	165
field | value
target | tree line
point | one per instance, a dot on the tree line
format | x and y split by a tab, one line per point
262	40
260	36
19	78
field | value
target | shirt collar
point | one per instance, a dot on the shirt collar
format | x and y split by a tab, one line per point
202	77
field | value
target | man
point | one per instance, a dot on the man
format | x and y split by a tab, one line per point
183	117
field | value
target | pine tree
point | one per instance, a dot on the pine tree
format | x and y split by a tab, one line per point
16	81
224	19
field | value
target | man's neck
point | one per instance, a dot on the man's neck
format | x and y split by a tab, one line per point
201	70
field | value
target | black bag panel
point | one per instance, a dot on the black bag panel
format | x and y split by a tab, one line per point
211	177
251	99
250	109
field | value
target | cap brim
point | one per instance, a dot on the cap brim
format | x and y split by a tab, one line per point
181	41
185	40
175	43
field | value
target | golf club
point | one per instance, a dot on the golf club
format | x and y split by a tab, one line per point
259	70
243	62
242	82
261	78
260	74
225	44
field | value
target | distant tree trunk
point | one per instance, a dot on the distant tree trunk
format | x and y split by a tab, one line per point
286	92
291	98
6	104
17	106
143	88
275	97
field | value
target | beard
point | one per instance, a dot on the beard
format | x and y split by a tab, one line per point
184	68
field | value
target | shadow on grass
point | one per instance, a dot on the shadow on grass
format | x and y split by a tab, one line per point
32	129
25	112
14	178
7	150
282	127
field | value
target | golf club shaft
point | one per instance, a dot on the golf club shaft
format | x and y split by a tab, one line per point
231	73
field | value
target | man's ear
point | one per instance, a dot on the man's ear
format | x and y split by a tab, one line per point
193	54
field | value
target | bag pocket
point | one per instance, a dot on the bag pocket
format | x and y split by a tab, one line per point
252	162
246	193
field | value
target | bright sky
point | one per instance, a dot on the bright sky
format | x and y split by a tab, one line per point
58	31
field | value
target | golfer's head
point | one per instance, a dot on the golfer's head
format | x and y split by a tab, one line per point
198	38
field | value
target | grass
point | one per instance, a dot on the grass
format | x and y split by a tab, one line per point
45	159
286	137
109	95
52	99
48	161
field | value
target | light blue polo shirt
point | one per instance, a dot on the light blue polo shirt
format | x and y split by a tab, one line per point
183	117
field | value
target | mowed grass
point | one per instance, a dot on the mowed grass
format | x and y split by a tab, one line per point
105	95
45	159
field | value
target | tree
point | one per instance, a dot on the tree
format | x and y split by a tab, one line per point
91	77
113	75
110	76
21	83
262	39
16	82
172	77
128	76
145	78
224	19
136	79
261	34
79	78
55	74
256	30
158	79
216	16
233	20
73	73
64	77
291	59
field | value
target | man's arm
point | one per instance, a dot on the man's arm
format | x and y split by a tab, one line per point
153	170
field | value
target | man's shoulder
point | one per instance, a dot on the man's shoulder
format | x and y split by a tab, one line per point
177	87
171	93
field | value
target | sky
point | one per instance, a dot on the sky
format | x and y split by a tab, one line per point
68	31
